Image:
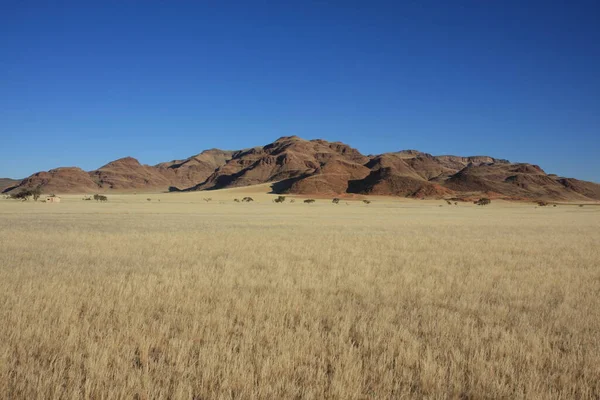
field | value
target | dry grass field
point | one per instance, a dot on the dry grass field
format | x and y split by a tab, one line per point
187	299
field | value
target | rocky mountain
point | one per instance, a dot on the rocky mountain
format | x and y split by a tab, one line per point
127	174
319	167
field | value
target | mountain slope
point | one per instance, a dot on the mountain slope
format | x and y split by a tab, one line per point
8	183
188	172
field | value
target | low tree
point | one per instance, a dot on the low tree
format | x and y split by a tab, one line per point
36	193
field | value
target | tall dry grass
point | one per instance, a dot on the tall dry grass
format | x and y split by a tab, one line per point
184	299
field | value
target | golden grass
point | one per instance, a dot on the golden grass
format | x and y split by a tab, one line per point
186	299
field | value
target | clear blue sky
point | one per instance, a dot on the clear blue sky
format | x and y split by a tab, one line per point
83	83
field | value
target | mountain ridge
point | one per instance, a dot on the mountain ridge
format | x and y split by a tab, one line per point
320	167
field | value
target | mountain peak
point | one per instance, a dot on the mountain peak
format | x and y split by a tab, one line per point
289	139
124	161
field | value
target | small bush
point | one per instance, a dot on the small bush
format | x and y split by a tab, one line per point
279	199
207	199
484	201
292	201
101	198
335	201
236	200
149	199
542	203
367	201
448	202
247	199
309	201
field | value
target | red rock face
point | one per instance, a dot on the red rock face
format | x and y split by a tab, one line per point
318	167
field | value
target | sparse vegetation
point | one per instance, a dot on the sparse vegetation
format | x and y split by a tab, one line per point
484	201
148	199
22	195
236	200
279	199
25	194
542	203
335	201
247	199
309	201
367	201
207	199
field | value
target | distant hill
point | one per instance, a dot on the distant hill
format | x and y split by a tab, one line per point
7	183
319	167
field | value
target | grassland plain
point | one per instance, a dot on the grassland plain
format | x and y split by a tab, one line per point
193	299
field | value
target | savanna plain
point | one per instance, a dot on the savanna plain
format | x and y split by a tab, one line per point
180	298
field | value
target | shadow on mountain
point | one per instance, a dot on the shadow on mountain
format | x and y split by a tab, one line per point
8	189
285	185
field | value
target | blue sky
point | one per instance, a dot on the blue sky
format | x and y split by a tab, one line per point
83	83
